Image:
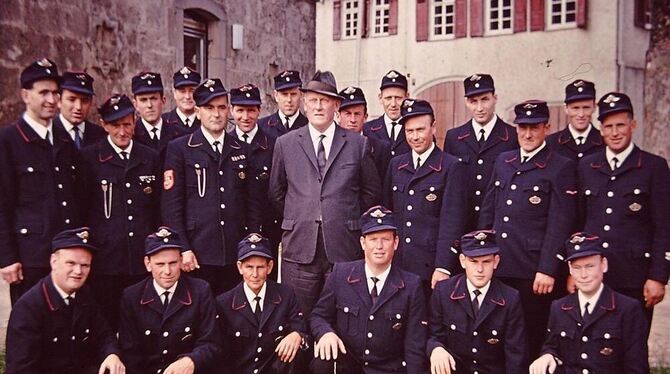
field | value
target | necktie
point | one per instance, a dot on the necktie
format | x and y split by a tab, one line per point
245	138
286	123
154	137
580	140
481	139
475	302
524	159
186	121
48	138
166	300
217	150
587	312
615	163
124	155
69	301
393	134
418	163
77	137
258	311
321	155
374	294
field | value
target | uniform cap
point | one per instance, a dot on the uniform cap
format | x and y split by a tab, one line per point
147	82
377	218
613	102
74	238
582	244
580	90
352	96
254	245
287	79
208	90
245	95
394	79
164	238
77	82
115	108
42	69
186	77
479	243
531	112
414	107
478	84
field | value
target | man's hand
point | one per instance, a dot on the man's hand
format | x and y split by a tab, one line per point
570	284
438	276
545	363
328	346
543	284
441	361
288	347
112	365
653	292
182	366
188	261
12	273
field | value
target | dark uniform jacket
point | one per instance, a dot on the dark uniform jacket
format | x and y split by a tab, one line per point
389	336
381	154
172	118
92	133
376	128
613	339
532	207
122	204
168	133
151	340
37	193
563	143
493	341
273	126
628	209
250	345
46	336
429	210
208	199
462	143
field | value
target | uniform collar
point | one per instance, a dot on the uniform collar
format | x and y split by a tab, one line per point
488	127
471	288
251	133
160	290
593	300
620	156
149	127
210	138
532	153
183	117
64	295
40	129
382	278
251	295
68	125
424	156
576	134
118	150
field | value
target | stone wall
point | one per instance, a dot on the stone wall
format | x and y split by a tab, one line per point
115	39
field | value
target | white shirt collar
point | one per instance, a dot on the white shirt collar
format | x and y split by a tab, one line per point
183	117
118	150
532	153
160	290
68	126
210	138
327	141
488	127
593	300
39	128
62	293
382	278
471	288
621	156
387	122
149	127
291	119
251	133
251	295
576	133
424	156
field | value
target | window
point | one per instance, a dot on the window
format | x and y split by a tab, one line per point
498	16
381	14
561	13
350	18
195	43
442	18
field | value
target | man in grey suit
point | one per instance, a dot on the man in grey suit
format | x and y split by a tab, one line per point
323	178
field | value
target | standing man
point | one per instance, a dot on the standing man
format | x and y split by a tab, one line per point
476	321
388	128
580	137
149	100
208	194
623	196
245	104
184	83
262	326
595	330
56	327
168	320
478	142
288	96
322	178
353	114
425	190
121	185
371	316
76	100
531	204
38	175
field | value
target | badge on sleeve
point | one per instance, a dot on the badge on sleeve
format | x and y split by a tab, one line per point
168	179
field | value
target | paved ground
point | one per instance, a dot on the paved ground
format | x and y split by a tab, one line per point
659	341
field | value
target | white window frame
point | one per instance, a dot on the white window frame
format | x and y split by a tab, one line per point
487	18
354	12
197	29
381	6
443	17
549	12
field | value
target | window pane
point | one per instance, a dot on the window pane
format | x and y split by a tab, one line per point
506	24
570	18
570	6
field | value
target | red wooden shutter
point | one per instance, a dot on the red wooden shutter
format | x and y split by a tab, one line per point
537	15
337	21
519	15
476	17
393	17
460	18
582	13
422	15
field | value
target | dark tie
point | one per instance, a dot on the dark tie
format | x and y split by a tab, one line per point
216	149
245	137
69	301
587	312
48	138
124	155
393	134
524	159
286	123
481	139
615	163
154	137
374	294
258	312
580	140
475	302
166	300
321	155
418	163
77	137
186	122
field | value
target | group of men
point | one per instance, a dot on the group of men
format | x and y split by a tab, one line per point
376	224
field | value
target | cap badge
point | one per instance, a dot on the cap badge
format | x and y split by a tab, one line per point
475	77
114	100
83	235
378	214
147	76
185	70
408	103
579	83
611	100
286	74
392	74
530	106
577	239
255	238
81	77
481	236
163	233
209	83
44	63
246	88
349	90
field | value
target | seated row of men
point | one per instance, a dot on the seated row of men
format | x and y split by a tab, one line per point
370	317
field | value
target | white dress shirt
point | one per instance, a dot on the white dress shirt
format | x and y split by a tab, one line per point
160	291
382	279
251	134
593	300
291	119
251	296
575	134
119	150
387	122
149	127
621	156
39	128
424	156
488	127
69	127
327	141
210	139
183	117
532	153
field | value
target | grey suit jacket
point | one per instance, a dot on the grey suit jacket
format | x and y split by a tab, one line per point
350	185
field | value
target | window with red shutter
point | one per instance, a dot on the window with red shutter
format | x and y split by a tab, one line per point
560	14
498	16
380	17
537	15
442	19
520	18
348	18
422	14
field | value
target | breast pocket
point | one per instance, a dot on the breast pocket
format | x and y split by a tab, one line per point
456	333
431	199
608	345
535	197
196	170
395	321
31	181
347	318
637	202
